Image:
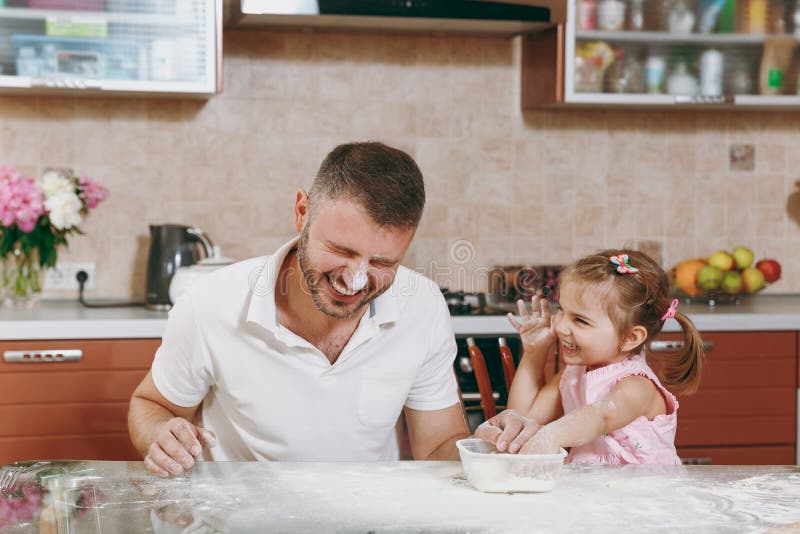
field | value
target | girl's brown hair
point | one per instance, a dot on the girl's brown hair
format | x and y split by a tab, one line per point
642	298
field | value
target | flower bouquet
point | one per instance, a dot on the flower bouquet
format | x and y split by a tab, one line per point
36	216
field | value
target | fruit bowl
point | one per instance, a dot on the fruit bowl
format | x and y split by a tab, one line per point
723	277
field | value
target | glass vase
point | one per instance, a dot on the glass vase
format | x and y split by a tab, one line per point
21	278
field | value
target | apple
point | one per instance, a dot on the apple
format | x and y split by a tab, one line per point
770	268
721	260
753	279
743	257
732	283
709	277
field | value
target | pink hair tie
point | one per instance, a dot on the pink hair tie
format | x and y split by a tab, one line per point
670	313
623	265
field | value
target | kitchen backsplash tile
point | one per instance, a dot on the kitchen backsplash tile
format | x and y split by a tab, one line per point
504	186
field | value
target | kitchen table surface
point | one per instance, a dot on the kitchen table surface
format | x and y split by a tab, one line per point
243	497
67	319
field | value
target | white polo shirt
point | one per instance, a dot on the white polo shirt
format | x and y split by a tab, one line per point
269	394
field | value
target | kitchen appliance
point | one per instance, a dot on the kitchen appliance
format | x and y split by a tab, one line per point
171	246
459	16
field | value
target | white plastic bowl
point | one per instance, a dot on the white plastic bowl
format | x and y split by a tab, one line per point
496	472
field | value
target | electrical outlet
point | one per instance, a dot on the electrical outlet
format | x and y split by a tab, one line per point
63	276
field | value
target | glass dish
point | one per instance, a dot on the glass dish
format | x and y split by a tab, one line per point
494	472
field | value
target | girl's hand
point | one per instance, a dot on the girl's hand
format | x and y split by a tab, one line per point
536	329
508	430
543	442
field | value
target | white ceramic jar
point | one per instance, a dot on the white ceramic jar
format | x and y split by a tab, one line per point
184	277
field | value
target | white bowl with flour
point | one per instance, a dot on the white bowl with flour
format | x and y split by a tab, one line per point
496	472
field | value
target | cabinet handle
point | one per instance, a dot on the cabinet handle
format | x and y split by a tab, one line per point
67	83
705	100
42	356
672	346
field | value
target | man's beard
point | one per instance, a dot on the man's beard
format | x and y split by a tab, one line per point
314	279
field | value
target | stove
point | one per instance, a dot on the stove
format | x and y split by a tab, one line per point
463	303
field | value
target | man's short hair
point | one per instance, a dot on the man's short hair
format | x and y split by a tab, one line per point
385	181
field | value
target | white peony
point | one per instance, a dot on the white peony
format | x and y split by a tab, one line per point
53	184
64	210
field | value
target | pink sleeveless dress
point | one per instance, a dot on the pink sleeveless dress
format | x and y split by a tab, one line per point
640	442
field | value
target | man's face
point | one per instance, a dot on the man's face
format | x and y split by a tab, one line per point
346	258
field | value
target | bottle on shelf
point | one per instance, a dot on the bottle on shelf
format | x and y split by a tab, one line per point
752	16
636	16
711	62
654	73
587	15
681	18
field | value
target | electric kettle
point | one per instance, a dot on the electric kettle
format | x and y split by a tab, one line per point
171	246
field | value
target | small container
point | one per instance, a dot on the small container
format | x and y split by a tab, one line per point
611	15
681	18
681	82
493	472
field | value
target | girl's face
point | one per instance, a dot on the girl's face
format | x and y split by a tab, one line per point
585	332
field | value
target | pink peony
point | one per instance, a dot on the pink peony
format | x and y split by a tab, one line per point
21	202
92	192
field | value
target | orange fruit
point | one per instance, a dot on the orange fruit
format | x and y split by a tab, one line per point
686	275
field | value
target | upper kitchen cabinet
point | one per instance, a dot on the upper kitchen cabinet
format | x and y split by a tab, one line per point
144	47
655	53
471	17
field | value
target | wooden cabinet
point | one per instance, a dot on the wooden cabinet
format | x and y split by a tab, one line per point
158	47
52	406
745	411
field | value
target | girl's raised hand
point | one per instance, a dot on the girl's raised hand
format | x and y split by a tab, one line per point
536	329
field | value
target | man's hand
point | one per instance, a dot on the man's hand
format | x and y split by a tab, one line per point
536	329
178	444
508	430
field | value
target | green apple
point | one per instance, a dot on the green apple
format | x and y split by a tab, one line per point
743	257
709	277
732	283
753	279
721	260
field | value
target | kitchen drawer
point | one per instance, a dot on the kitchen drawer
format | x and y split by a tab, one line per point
774	455
70	409
747	394
98	354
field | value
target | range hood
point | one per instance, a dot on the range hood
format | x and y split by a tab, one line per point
427	16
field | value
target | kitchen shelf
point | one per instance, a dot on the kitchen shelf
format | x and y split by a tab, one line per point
146	48
110	17
653	37
551	76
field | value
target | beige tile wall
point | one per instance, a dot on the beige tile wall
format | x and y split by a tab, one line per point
503	186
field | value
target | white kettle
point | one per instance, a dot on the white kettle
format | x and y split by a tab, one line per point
185	276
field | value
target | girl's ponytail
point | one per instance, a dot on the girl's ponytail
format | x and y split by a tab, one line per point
681	371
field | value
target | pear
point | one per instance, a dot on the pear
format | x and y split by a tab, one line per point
754	279
743	257
709	277
722	260
732	283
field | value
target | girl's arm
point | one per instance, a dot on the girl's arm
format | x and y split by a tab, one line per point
632	397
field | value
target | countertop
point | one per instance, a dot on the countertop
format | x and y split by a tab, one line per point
67	319
245	497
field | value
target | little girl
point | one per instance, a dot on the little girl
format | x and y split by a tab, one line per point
607	404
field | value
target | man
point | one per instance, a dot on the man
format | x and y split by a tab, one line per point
311	353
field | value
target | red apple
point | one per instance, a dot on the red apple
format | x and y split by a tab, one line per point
770	268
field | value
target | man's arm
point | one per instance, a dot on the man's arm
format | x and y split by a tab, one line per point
433	434
161	431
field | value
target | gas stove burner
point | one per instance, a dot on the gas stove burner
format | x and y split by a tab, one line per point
463	303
